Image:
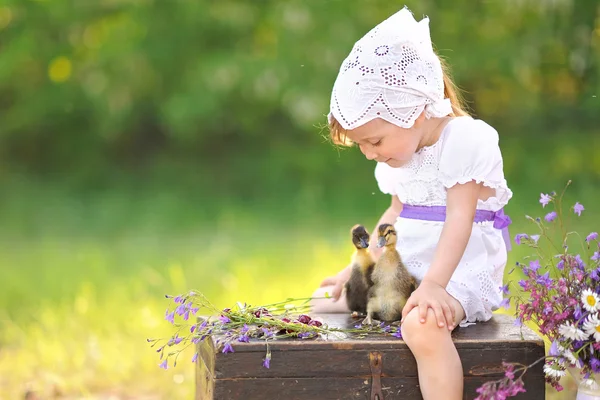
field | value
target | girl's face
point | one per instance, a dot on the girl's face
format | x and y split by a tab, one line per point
382	141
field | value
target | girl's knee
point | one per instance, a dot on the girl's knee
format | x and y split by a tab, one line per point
422	338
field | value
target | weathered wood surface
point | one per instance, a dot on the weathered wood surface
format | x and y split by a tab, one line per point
339	368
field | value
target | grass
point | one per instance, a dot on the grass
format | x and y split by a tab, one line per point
83	277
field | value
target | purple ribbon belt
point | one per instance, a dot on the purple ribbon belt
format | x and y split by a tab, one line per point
438	213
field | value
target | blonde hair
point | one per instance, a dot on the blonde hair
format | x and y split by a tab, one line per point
338	135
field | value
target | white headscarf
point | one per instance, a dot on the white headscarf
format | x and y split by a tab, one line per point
391	73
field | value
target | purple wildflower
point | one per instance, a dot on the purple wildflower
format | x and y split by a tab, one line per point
170	317
535	238
244	329
267	361
267	332
577	344
523	283
591	236
505	303
544	280
228	348
195	358
596	256
534	265
550	216
224	319
397	334
595	274
580	262
186	315
518	322
244	339
561	264
595	363
504	289
179	299
578	208
164	365
520	236
180	309
554	349
544	199
177	340
577	314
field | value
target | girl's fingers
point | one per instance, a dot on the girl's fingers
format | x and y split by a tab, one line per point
439	315
330	280
449	315
423	312
337	291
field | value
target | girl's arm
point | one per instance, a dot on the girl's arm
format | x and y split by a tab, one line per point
461	204
388	217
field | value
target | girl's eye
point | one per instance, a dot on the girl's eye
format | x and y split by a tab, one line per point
376	143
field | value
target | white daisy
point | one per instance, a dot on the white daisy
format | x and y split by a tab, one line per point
554	370
571	332
567	354
592	326
590	300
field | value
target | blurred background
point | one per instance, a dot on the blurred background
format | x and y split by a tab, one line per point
152	147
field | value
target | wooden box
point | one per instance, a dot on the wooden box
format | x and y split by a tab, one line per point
378	367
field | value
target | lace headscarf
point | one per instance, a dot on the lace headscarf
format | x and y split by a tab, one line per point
391	73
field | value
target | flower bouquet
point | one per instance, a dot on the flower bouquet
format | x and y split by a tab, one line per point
243	323
559	295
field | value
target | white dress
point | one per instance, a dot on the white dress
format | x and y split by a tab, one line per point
466	150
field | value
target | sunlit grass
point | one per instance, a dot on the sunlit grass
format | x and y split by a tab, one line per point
81	309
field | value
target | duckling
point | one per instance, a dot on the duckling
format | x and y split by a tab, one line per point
392	283
362	267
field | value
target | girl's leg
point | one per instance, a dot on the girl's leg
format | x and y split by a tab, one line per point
328	305
439	366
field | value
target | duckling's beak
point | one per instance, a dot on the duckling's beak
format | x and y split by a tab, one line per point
364	243
381	241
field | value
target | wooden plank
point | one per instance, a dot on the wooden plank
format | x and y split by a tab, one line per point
335	364
205	371
348	388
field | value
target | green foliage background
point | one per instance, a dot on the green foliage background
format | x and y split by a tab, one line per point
150	147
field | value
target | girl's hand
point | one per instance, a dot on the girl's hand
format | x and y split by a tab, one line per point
431	295
337	282
338	285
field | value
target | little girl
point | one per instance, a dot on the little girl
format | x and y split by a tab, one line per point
444	172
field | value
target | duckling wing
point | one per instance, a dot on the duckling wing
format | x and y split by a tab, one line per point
405	282
369	275
356	291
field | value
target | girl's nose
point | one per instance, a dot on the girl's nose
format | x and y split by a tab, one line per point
369	153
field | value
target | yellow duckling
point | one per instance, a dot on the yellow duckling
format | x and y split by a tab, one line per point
392	283
362	264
